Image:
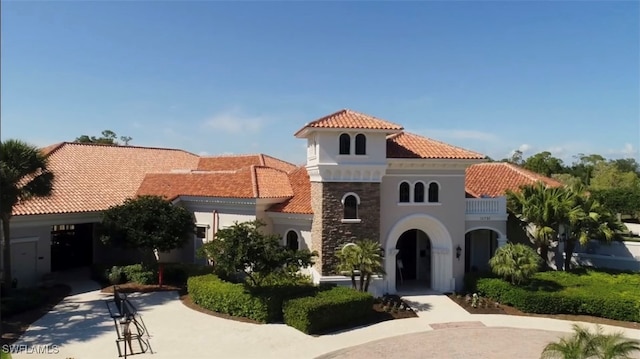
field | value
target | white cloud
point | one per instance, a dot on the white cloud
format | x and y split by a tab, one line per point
524	148
234	121
203	153
626	152
459	134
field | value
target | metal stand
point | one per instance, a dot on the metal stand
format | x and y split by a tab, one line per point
129	326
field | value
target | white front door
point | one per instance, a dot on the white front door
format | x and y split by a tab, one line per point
24	262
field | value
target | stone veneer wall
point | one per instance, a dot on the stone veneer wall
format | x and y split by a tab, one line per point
327	230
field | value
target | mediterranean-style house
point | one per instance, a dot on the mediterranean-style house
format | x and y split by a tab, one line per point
438	210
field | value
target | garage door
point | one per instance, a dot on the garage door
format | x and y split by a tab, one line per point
23	262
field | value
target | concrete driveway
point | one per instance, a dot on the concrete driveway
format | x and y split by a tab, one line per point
80	328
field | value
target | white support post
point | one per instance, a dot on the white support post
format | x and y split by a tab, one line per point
502	241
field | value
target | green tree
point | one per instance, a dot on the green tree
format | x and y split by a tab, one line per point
108	138
585	218
516	158
608	175
584	165
148	224
627	165
23	175
567	179
623	200
537	207
363	259
584	344
244	248
516	263
544	163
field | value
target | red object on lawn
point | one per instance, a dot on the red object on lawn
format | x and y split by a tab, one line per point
160	270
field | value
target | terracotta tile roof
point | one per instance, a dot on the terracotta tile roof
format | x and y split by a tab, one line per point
493	179
271	183
409	145
251	182
94	177
300	203
349	119
235	162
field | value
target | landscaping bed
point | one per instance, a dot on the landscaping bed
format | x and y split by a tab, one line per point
491	308
35	303
584	292
311	309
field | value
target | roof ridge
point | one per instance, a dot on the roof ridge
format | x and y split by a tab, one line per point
444	143
254	182
261	157
127	147
48	150
232	155
525	172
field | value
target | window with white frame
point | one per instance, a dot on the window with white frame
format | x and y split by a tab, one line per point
361	144
350	203
345	144
201	232
434	190
418	192
404	192
292	239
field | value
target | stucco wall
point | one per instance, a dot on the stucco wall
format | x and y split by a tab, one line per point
450	211
43	252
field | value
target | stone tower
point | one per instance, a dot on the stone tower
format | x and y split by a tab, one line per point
346	159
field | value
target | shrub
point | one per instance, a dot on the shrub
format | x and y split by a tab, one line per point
515	262
20	301
115	275
211	293
535	299
178	273
328	310
137	273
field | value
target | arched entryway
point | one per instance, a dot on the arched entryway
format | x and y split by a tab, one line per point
480	245
428	234
413	260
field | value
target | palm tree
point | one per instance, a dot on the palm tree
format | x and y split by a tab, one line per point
584	344
515	262
363	259
587	220
23	175
538	207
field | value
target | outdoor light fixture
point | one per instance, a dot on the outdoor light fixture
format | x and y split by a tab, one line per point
458	252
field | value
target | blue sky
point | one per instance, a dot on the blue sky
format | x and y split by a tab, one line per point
241	77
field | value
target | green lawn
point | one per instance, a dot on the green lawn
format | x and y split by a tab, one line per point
4	355
607	294
590	281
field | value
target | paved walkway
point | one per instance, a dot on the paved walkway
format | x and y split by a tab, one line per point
81	328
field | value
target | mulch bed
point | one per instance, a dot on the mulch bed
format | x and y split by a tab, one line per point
487	306
141	288
14	326
378	314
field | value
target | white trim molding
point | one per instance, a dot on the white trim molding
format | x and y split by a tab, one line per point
352	172
423	163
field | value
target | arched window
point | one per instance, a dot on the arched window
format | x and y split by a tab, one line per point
361	144
418	192
404	192
292	241
345	144
433	192
350	203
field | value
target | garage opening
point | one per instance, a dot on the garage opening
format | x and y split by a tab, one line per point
71	246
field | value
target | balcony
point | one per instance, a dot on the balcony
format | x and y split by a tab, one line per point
486	209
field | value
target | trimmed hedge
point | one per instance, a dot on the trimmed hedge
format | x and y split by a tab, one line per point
262	304
327	310
530	299
173	273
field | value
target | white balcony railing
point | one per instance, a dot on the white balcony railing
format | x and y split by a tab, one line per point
480	206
